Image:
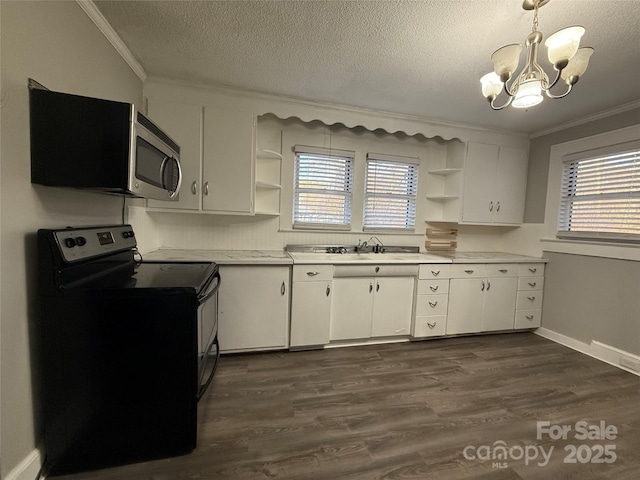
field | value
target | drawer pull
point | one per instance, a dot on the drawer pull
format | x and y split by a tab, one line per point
312	274
433	304
529	317
435	273
503	270
531	298
433	289
468	271
431	324
532	284
533	270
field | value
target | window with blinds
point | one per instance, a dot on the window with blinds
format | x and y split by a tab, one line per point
390	193
601	197
323	187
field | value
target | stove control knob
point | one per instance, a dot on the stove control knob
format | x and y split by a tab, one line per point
81	241
70	242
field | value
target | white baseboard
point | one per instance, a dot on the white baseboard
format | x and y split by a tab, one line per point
28	468
595	349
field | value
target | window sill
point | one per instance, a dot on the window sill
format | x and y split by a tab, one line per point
620	251
354	232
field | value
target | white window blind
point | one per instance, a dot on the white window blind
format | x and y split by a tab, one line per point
323	187
601	197
390	193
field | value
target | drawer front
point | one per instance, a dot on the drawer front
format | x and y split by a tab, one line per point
469	270
387	270
434	271
431	305
528	318
530	283
502	270
432	326
433	287
311	273
531	270
529	300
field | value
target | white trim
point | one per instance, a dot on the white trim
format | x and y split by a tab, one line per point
28	468
598	350
110	34
589	118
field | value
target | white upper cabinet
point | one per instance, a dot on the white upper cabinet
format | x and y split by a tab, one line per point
228	168
183	123
495	184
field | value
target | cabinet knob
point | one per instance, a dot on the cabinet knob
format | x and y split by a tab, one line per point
533	270
194	187
433	304
328	290
370	287
435	273
498	207
312	274
468	271
491	206
483	285
503	270
377	286
433	289
431	324
529	317
283	289
532	284
206	188
488	285
531	298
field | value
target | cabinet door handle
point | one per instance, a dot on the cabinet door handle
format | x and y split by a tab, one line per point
435	273
328	290
194	187
370	287
503	270
312	274
283	289
206	188
531	298
533	270
377	286
491	206
468	271
433	289
482	286
431	324
488	285
529	317
532	284
498	207
433	304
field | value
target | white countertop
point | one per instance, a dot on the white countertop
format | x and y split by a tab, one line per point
490	257
280	257
221	257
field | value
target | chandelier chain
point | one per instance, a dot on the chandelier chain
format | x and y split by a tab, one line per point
534	28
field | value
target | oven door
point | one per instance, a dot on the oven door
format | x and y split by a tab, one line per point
208	348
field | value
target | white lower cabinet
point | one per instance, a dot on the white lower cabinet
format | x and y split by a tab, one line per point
529	301
432	301
371	307
311	297
485	302
253	307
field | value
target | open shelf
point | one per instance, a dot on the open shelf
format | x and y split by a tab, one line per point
444	171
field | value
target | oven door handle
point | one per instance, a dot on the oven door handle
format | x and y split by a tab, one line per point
211	291
204	386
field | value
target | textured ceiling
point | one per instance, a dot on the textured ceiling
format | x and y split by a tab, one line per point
414	57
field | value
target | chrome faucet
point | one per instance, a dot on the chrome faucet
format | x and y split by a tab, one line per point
362	246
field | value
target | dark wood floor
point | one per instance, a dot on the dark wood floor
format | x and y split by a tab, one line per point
406	411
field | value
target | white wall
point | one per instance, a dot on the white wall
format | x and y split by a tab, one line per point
58	45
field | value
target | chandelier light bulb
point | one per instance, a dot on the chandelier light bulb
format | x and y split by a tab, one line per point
577	65
529	93
563	44
491	85
506	59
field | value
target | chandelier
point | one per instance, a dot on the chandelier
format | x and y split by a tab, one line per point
569	62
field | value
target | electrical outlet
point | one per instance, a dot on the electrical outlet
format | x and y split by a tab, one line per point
630	363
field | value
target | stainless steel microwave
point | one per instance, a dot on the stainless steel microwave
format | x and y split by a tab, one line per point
100	145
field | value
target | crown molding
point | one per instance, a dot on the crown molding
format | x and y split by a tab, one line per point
589	118
107	30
